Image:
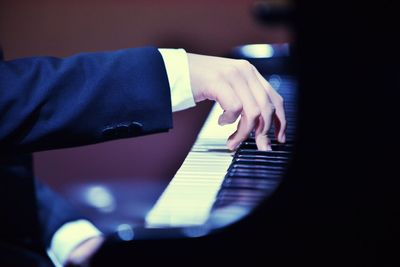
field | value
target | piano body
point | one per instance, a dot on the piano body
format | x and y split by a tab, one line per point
215	188
336	203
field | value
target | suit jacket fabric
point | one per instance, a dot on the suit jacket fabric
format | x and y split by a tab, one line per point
50	103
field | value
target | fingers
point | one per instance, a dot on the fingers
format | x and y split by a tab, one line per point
230	103
277	102
267	111
250	112
241	91
261	104
262	139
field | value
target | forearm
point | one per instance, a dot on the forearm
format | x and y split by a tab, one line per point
48	103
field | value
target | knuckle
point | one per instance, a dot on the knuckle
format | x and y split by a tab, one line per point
237	107
232	72
213	80
242	135
279	101
254	113
218	78
263	102
244	64
269	110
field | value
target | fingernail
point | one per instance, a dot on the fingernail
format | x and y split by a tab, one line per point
262	146
222	121
263	143
283	138
229	144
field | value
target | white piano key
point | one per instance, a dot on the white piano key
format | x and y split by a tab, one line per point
189	197
212	130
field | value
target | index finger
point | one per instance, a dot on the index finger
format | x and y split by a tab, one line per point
277	101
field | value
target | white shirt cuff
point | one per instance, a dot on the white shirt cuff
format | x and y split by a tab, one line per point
71	234
177	66
68	237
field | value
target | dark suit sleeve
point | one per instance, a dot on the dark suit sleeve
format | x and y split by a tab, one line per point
48	103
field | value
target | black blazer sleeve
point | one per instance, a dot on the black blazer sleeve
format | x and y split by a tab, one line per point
48	103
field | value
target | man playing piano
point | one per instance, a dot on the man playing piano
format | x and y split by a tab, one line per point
49	103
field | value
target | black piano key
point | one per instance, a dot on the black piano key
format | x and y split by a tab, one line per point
278	154
239	197
269	170
272	139
241	193
235	200
289	132
261	157
254	175
276	147
257	161
248	183
224	202
254	166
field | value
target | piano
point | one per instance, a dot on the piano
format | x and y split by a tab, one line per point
214	188
335	203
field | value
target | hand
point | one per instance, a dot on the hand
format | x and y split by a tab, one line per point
81	255
240	90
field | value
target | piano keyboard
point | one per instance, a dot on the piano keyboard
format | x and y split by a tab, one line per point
217	187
